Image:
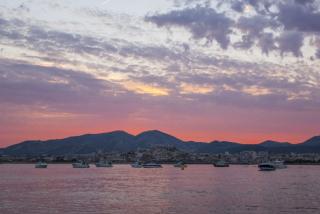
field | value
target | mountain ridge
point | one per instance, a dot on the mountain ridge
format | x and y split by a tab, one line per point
121	141
272	143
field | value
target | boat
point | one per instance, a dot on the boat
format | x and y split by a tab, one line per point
103	163
279	164
136	164
180	164
41	165
80	164
221	163
151	165
267	166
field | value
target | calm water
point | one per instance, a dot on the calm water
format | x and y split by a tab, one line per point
122	189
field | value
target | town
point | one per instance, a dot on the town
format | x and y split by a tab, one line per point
165	154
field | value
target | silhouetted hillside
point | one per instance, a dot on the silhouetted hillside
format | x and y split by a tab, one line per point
120	141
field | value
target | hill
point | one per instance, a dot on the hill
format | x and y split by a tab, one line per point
121	141
272	144
314	141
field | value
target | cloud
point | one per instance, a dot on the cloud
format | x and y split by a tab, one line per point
145	88
258	28
291	42
318	53
202	22
187	88
267	43
299	17
63	90
157	71
253	29
238	6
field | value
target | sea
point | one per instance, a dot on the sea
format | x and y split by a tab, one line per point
124	190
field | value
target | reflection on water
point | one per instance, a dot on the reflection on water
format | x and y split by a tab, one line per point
122	189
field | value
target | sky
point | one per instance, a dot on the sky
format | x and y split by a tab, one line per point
238	70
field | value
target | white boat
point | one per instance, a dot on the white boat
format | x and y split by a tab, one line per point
221	163
136	165
267	166
80	164
151	165
104	163
41	165
279	164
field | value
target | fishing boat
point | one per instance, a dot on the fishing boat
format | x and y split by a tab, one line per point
41	165
267	166
221	163
151	165
80	164
103	163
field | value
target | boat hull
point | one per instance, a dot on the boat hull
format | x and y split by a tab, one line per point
267	167
218	165
41	166
221	164
151	166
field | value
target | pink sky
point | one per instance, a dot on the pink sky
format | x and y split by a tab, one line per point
198	70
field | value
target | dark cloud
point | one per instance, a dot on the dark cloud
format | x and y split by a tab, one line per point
260	30
299	17
253	28
304	1
30	84
202	22
22	84
318	53
267	43
238	6
291	42
254	25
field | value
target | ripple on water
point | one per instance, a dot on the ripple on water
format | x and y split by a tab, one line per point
122	189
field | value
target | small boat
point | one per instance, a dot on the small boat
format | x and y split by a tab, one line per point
180	164
80	164
41	165
136	165
221	163
103	163
151	165
267	166
279	164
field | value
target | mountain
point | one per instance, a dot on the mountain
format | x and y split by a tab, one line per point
120	141
117	141
314	141
157	138
271	144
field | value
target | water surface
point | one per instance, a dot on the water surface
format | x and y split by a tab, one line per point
122	189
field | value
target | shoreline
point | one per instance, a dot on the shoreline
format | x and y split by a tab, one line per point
128	163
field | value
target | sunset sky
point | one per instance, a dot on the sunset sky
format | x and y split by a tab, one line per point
238	70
